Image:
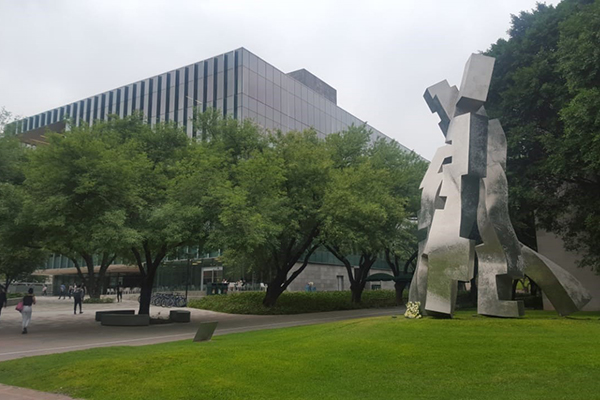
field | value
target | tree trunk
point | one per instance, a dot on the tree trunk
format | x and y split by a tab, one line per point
148	273
357	291
273	292
399	286
274	289
145	297
281	280
6	285
95	288
146	292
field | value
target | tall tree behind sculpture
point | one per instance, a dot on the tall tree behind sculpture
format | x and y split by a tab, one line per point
464	210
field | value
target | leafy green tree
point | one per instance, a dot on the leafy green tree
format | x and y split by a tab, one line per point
7	127
273	212
545	91
19	256
366	206
401	252
81	187
406	171
156	222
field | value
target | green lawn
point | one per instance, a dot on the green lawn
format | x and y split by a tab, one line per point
538	357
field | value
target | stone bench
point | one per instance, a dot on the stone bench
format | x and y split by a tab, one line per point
179	316
125	320
99	314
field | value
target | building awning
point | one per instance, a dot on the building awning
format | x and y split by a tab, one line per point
112	269
380	277
387	277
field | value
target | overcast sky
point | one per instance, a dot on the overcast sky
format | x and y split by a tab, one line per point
379	55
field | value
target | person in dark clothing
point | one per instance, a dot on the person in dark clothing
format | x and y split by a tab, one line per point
3	300
28	302
77	296
119	293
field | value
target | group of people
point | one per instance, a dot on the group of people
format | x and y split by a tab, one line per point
71	291
75	291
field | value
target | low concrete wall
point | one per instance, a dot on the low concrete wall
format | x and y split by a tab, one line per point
180	316
125	320
13	302
99	314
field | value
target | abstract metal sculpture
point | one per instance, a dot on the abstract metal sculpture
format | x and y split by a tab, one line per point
464	212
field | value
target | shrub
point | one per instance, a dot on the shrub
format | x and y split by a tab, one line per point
293	302
91	300
14	295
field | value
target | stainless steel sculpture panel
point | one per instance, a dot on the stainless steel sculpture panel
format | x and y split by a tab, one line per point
464	212
562	289
499	256
430	201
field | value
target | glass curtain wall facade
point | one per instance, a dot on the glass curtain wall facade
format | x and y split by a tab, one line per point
238	83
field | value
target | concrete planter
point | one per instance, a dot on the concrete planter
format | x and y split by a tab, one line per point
179	316
124	320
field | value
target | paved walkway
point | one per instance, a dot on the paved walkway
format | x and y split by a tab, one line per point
55	329
17	393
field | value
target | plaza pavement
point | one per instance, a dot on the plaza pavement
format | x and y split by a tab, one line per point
55	329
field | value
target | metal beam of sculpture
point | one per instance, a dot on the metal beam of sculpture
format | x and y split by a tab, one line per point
464	212
564	291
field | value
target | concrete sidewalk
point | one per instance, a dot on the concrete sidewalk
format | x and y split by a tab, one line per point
17	393
55	329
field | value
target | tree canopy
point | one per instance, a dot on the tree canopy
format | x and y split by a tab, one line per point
373	191
546	92
19	255
82	186
122	189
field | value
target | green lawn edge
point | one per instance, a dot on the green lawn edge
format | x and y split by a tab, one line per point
540	356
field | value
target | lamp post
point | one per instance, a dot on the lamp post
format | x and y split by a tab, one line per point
187	280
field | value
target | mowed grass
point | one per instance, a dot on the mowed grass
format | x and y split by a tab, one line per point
538	357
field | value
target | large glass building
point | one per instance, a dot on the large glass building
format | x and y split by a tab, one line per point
241	85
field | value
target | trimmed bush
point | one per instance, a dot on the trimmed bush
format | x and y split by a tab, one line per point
91	300
14	295
293	302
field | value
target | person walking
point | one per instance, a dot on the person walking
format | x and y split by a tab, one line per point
77	296
62	291
45	290
71	288
28	302
3	299
119	293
